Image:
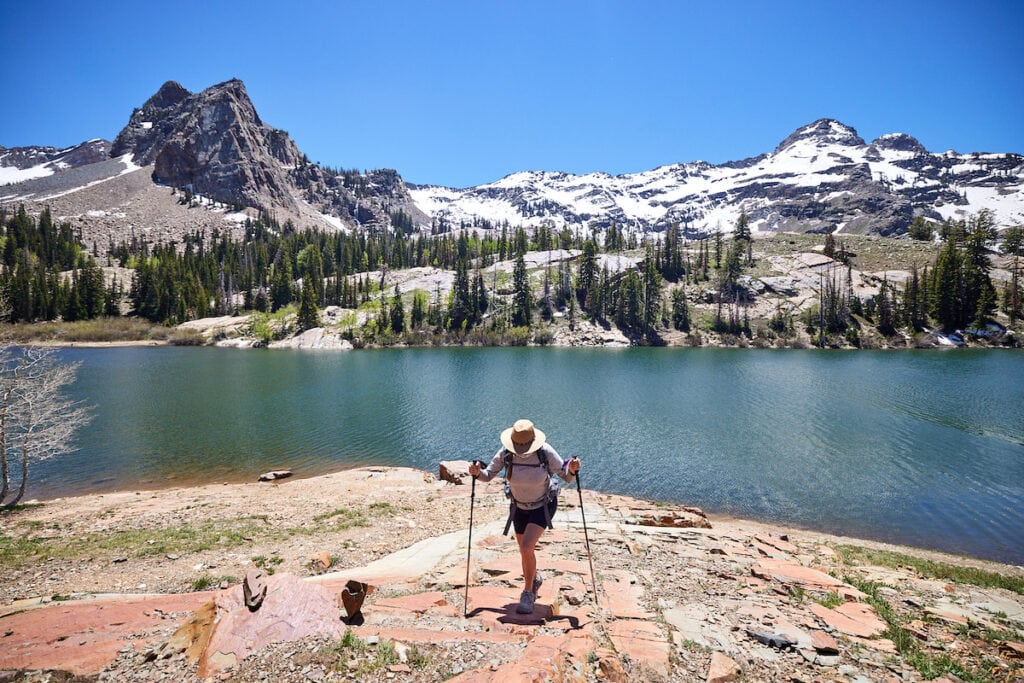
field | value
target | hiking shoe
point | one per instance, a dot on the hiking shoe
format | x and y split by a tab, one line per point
537	581
526	601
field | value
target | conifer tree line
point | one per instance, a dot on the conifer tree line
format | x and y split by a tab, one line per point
48	274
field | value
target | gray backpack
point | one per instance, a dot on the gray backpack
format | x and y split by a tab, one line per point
554	487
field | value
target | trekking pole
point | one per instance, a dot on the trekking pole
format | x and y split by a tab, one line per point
586	537
469	546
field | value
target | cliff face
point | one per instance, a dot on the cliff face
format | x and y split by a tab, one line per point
212	143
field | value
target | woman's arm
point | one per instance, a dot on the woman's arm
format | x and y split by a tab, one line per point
491	470
566	469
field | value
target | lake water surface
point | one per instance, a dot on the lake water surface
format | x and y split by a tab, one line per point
922	448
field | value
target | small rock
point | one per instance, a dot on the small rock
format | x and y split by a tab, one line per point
722	669
824	643
322	560
274	475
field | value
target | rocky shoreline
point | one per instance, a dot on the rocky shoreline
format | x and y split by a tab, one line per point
680	597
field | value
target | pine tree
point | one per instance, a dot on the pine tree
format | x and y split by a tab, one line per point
309	315
1013	245
742	234
522	297
652	296
680	310
281	293
419	309
946	286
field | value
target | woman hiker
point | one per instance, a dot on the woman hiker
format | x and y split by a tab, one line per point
529	461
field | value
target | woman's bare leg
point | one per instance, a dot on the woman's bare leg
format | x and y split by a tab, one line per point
527	552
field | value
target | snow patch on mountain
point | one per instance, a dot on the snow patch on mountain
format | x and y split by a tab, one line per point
11	174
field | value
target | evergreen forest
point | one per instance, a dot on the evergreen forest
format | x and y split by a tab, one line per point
48	274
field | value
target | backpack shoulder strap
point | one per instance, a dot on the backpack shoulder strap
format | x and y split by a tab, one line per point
508	463
542	457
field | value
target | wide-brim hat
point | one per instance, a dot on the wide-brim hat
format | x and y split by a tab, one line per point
523	437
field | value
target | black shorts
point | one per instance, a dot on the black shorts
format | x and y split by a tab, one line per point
523	517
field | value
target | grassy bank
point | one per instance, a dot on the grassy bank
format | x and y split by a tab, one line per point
97	331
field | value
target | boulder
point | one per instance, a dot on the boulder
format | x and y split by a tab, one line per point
314	338
274	475
454	471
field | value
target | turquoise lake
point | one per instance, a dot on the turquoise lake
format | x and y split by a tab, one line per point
923	448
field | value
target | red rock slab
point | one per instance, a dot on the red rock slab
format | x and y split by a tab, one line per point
492	541
508	563
777	543
570	618
578	567
642	641
546	658
622	596
291	610
880	644
824	643
851	618
417	603
790	572
84	637
337	582
560	536
495	608
456	576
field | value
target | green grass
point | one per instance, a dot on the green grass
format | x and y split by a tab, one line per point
929	664
831	600
87	331
267	564
205	582
31	540
340	519
384	508
18	550
853	555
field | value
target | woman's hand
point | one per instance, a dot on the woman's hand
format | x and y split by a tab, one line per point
574	465
474	469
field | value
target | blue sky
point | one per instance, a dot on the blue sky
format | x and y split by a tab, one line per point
463	93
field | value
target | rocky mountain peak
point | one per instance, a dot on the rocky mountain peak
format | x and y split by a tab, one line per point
899	142
214	143
211	142
823	132
169	94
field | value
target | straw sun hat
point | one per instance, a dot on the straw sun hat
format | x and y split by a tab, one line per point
523	437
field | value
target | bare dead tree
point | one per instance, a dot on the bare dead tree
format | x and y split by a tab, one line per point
38	420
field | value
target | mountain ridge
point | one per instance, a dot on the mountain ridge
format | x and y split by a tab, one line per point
823	177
